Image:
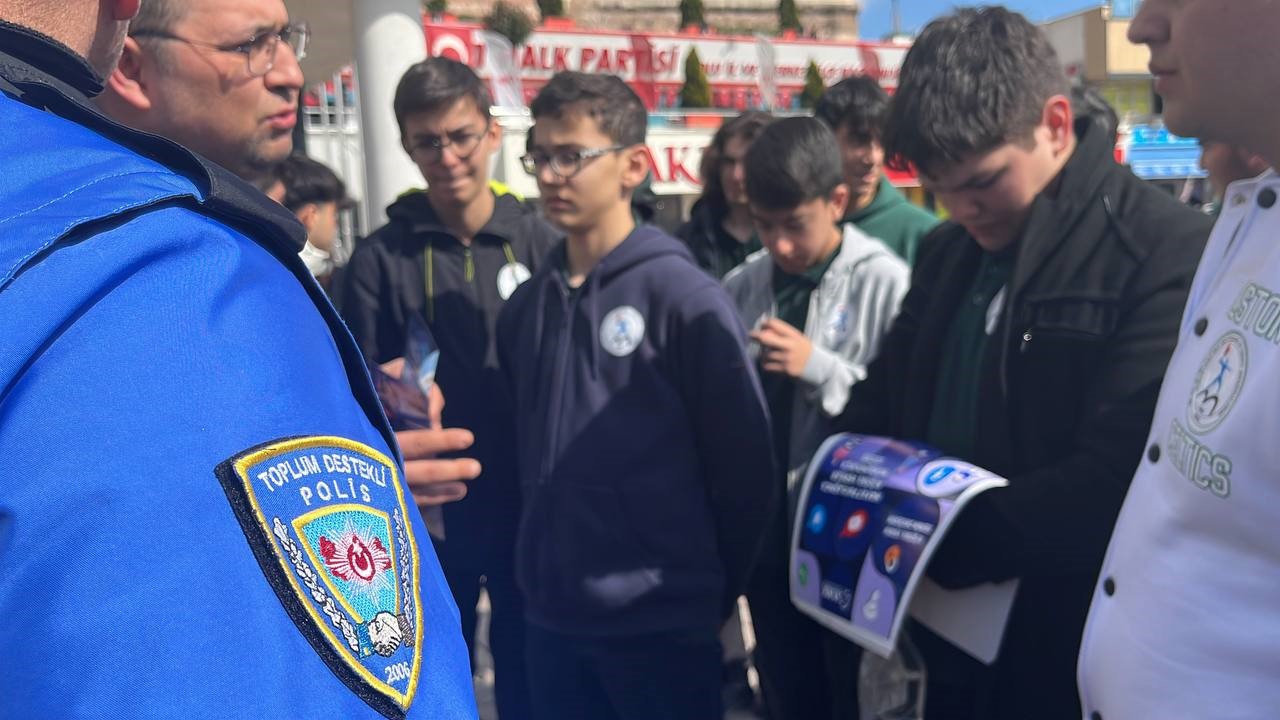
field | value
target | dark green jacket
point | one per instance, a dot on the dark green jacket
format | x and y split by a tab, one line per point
894	220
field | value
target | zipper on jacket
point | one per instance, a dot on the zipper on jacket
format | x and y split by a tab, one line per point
555	407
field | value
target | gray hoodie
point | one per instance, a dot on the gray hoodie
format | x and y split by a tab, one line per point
849	312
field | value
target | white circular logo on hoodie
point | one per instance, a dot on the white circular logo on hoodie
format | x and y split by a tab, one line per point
621	331
510	277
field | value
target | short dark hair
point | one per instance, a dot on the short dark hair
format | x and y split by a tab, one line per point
608	100
792	162
746	126
435	84
973	81
307	181
1089	104
857	105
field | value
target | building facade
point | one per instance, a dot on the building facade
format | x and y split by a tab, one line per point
825	19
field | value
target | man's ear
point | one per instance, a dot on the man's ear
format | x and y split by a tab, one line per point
125	9
1059	120
635	166
128	81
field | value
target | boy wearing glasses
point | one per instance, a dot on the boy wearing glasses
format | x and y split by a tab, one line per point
643	438
453	255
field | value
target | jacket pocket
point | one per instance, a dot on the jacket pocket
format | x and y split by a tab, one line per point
1058	350
588	550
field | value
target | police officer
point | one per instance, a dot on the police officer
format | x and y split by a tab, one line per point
203	512
190	73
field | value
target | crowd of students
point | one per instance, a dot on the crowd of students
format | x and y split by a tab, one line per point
638	406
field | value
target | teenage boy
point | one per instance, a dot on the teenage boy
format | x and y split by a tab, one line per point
855	110
316	196
643	438
1032	342
453	255
820	299
719	232
1184	620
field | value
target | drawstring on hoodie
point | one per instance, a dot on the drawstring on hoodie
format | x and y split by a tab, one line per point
593	315
468	272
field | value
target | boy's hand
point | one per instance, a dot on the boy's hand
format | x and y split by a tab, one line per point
783	349
435	398
432	480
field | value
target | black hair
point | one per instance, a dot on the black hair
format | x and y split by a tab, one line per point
791	162
747	127
307	181
857	105
973	80
1088	103
435	84
608	100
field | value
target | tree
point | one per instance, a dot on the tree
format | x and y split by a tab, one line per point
551	8
788	15
696	92
437	7
509	22
813	87
691	13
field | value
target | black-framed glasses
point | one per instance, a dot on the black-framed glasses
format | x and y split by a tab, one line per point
259	51
462	143
564	163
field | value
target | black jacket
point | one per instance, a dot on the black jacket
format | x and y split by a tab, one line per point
713	248
1069	384
386	284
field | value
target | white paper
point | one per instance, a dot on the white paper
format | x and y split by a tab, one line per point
972	619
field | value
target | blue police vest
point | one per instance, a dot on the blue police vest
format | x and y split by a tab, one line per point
201	511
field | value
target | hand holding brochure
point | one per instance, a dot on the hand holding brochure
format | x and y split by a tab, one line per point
872	511
406	399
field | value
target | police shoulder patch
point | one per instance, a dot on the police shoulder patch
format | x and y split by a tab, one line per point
328	523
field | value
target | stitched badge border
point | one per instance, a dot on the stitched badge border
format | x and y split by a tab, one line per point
237	483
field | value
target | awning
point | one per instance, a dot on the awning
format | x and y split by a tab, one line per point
1156	154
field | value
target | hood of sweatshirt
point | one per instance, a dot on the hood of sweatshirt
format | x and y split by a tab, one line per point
414	211
887	197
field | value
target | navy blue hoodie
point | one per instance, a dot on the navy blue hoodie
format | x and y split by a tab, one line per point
643	443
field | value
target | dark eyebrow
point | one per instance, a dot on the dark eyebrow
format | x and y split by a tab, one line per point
979	182
446	133
569	147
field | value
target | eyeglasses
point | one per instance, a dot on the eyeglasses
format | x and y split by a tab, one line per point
564	163
430	148
259	50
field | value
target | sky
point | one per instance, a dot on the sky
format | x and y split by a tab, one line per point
877	15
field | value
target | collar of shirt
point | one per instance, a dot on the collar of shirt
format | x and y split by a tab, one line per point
50	57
